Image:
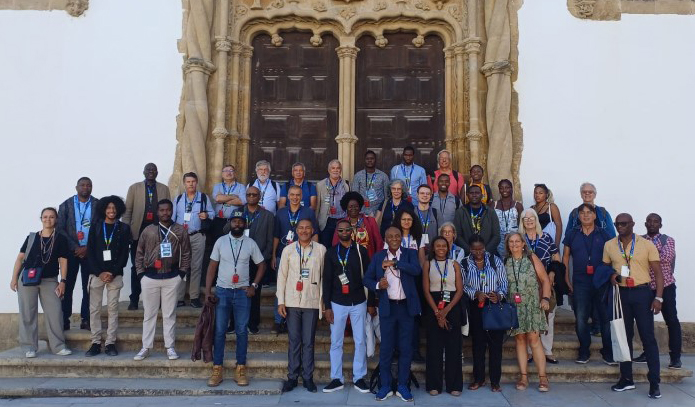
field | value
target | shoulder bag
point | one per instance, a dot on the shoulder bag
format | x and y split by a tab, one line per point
31	276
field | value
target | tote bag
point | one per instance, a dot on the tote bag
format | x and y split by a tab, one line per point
621	350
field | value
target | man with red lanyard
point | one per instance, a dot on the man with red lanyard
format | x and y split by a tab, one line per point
372	184
412	174
330	191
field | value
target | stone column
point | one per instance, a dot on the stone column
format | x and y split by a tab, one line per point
346	138
474	135
449	103
234	109
242	153
459	135
220	133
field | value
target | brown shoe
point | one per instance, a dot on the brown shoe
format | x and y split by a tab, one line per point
241	378
217	376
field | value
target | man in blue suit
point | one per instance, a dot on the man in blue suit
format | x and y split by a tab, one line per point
391	274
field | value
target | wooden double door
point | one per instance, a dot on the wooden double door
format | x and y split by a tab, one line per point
295	98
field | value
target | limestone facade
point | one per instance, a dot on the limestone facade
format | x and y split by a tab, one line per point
74	7
614	9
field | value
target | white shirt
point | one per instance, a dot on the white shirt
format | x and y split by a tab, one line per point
393	276
269	196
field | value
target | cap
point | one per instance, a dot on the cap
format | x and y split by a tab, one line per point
237	214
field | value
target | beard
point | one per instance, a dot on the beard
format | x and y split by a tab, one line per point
263	178
237	232
344	238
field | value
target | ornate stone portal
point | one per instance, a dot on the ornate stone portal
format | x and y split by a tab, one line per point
479	36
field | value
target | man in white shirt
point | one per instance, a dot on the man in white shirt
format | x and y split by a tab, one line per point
270	190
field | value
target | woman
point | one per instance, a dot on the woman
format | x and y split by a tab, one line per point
443	288
384	217
544	248
107	253
524	270
411	231
548	213
485	283
364	228
476	178
47	256
448	232
508	211
455	179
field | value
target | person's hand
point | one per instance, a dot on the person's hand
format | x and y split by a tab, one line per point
105	276
614	279
274	263
387	263
282	310
551	276
545	304
656	306
481	296
250	291
81	251
383	283
570	287
60	290
203	215
329	315
443	313
13	284
209	296
371	311
493	297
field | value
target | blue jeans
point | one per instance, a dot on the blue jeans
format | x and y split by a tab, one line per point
235	301
586	299
357	314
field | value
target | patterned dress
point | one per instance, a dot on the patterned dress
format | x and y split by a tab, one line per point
522	279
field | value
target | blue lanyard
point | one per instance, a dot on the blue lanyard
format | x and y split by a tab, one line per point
407	246
632	250
370	184
78	204
395	208
231	188
236	255
264	189
426	222
303	261
293	221
343	261
482	207
446	272
407	177
189	205
333	188
535	243
108	240
150	193
249	221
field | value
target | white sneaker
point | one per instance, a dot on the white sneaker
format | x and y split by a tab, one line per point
144	352
64	352
171	354
30	354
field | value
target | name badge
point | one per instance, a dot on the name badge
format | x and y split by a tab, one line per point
235	279
80	235
246	232
343	279
289	237
187	217
107	255
149	216
447	296
327	199
165	250
425	239
333	210
625	271
86	223
305	273
517	298
371	195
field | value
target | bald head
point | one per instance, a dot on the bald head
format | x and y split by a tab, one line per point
393	238
624	224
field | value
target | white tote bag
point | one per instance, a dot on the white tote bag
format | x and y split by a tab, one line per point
621	350
373	331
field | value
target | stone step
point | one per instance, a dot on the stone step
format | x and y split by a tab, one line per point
271	366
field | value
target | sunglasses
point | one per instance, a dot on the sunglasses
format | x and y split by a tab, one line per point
619	224
251	194
343	230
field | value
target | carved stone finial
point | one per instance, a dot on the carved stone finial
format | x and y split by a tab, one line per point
316	40
585	8
76	7
419	41
381	41
198	65
276	40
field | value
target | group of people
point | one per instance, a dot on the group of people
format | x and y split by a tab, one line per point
415	250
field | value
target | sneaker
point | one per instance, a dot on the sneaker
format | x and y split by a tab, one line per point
110	350
144	352
623	384
610	361
64	352
94	350
334	385
675	364
654	392
383	394
230	331
181	304
361	386
253	331
404	393
171	354
275	329
640	359
30	354
310	386
289	385
195	303
582	360
133	306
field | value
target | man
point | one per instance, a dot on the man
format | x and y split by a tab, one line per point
259	227
476	218
391	275
372	184
191	209
75	216
298	179
299	292
140	212
585	246
631	256
444	201
234	290
667	259
456	179
330	191
270	190
343	297
229	196
603	219
286	232
162	260
412	174
428	215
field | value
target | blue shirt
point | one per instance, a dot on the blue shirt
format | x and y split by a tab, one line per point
583	248
283	224
308	190
235	189
182	206
413	176
486	280
543	247
83	215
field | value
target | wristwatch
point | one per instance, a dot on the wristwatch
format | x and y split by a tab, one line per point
255	286
661	300
62	280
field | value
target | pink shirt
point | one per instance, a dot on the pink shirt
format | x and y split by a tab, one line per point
393	276
455	185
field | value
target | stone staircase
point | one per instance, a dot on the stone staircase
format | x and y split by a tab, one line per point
267	357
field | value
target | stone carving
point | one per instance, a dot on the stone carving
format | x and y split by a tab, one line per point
585	8
381	41
276	40
223	45
319	6
348	12
220	133
379	5
610	10
421	5
456	12
76	7
316	40
439	4
419	41
241	10
256	5
278	3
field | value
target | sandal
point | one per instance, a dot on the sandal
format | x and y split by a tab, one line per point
552	360
522	384
495	388
543	384
434	393
455	393
476	385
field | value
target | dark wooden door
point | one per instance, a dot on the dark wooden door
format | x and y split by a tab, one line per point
400	100
294	104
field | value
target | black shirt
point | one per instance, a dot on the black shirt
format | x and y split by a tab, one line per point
96	244
33	257
332	269
150	206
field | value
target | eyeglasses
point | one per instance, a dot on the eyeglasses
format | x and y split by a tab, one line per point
343	230
588	192
228	171
528	219
619	224
251	194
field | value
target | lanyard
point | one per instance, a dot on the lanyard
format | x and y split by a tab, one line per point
370	184
590	247
475	219
295	219
107	240
426	222
407	177
304	260
78	204
506	214
236	255
264	189
535	242
407	243
165	231
228	191
343	261
333	188
249	221
632	250
446	272
445	200
516	275
189	205
150	193
395	208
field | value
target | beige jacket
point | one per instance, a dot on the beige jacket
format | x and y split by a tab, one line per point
135	205
311	295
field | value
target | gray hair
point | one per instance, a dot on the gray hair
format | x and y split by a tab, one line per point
587	184
263	163
444	225
530	212
333	161
298	164
442	152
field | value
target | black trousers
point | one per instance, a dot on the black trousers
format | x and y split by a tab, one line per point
255	315
76	266
670	313
326	235
441	342
637	304
301	330
135	288
484	340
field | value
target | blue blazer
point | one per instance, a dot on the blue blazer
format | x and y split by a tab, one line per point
410	269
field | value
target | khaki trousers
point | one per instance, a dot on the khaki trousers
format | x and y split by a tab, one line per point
192	283
154	293
29	315
96	296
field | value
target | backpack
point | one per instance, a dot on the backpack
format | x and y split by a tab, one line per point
205	224
375	379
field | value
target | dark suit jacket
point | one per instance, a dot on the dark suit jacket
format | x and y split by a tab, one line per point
489	228
66	220
410	269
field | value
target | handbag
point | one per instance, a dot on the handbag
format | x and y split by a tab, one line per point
205	224
500	317
31	275
621	349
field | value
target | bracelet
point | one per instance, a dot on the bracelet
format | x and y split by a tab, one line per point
547	299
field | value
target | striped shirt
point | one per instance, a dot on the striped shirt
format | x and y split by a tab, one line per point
543	247
485	280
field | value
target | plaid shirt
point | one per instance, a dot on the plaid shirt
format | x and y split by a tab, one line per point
667	253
